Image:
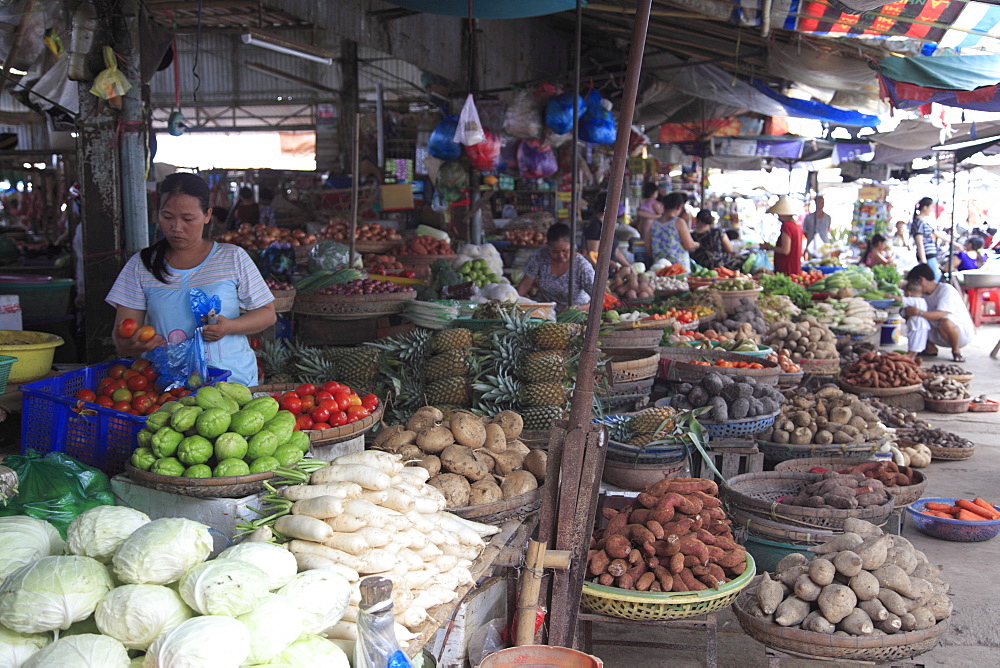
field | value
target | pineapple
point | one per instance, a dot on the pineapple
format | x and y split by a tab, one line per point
449	391
544	394
451	339
451	363
358	362
412	347
554	335
274	356
539	418
649	420
640	440
542	366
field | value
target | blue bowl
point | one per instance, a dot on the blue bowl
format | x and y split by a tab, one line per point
824	269
881	303
962	531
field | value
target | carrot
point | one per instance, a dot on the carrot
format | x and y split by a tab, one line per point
987	506
943	507
970	517
971	507
937	513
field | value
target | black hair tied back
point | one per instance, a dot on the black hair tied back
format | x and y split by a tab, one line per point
154	257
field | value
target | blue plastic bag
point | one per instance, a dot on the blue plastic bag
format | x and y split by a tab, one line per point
206	309
183	364
597	125
442	144
535	161
559	112
278	260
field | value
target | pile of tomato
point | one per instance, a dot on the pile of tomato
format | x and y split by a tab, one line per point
329	405
726	364
130	389
807	278
681	315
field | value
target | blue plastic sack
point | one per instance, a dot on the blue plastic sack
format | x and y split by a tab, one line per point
206	309
597	125
442	144
181	364
559	112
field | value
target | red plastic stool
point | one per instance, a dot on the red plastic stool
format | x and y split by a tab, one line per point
976	298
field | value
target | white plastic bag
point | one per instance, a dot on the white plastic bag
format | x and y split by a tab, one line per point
470	129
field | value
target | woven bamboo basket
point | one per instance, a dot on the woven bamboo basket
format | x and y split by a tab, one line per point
379	247
631	338
633	364
902	496
498	512
334	434
352	307
757	493
644	605
762	527
283	300
951	454
962	378
878	649
675	365
878	391
780	452
731	298
820	367
695	283
790	380
946	405
230	487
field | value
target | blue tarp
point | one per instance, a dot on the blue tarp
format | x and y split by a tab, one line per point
945	72
817	110
489	9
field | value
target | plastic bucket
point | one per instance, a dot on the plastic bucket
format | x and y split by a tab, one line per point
34	352
541	656
767	553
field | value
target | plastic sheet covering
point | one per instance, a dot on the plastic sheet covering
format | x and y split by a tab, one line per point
803	63
712	83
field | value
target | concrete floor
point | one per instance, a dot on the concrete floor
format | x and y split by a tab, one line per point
973	569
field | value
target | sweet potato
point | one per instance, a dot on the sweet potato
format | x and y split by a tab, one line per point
677	565
664	577
599	563
606	579
689	545
738	569
617	546
667	547
631	576
617	567
733	558
639	516
638	534
616	524
643	583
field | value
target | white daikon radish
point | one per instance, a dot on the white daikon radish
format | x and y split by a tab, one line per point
303	527
383	461
341	490
319	507
366	476
346	523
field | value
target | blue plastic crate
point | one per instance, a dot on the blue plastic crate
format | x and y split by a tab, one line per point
100	437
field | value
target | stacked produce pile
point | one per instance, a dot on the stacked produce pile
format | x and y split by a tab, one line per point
936	438
674	538
730	397
825	417
843	491
852	315
368	514
260	236
629	285
976	510
897	418
784	359
745	322
861	583
326	278
883	370
943	388
807	339
669	283
843	284
447	368
807	278
424	245
851	351
339	230
278	286
166	602
948	370
471	461
782	285
736	284
887	281
288	363
382	264
889	474
478	272
918	455
525	236
703	340
776	307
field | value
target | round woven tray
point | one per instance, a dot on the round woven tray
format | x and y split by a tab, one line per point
879	649
768	529
644	605
633	364
231	487
695	283
757	494
820	367
731	298
946	405
951	454
902	496
352	307
630	338
499	512
790	379
376	246
878	391
962	378
283	300
326	436
676	365
736	428
780	452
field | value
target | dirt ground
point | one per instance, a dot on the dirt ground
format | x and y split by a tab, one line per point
973	569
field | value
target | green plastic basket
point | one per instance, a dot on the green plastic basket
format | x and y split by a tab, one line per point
6	363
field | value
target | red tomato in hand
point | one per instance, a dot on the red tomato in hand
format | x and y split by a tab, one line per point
291	404
343	400
127	327
304	422
320	414
146	333
85	395
338	419
304	389
331	386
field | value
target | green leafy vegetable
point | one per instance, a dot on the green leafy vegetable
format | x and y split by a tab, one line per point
780	284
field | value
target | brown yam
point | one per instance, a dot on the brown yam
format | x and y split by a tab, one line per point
643	583
599	563
664	577
617	567
618	546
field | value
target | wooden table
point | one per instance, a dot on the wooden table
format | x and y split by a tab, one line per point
708	623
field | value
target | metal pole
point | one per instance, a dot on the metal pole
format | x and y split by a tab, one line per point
379	129
566	592
574	198
355	184
954	204
133	151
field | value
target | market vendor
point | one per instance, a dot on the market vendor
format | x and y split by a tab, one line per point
670	236
549	269
650	209
816	228
154	286
788	249
951	324
924	235
714	249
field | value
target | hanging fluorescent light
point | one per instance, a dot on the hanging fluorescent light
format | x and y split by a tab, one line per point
287	47
966	144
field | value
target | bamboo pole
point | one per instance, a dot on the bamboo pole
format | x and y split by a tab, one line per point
355	185
527	600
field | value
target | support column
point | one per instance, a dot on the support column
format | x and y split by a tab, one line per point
133	136
348	100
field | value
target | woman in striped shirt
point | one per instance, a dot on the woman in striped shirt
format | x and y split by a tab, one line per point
155	284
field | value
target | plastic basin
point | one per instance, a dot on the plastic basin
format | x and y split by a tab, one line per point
34	352
767	553
962	531
42	298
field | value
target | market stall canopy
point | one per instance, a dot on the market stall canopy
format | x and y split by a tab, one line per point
489	9
968	82
913	139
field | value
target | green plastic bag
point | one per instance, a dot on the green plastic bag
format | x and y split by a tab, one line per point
55	488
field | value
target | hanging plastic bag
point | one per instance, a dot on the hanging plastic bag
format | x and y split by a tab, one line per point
442	143
111	84
329	255
523	118
484	155
597	125
453	178
536	161
55	488
278	260
181	364
470	129
559	112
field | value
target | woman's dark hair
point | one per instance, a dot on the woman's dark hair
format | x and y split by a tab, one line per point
557	232
648	190
975	241
873	241
920	271
154	257
246	192
705	217
924	201
673	200
266	194
600	203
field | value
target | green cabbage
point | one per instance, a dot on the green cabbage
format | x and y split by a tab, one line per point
227	587
84	651
311	650
161	551
273	626
52	593
219	642
99	532
136	615
26	539
15	648
277	562
322	595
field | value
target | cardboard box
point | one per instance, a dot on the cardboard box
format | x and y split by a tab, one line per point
486	602
396	196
